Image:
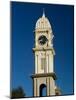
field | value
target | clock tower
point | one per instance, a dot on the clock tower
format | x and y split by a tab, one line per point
44	76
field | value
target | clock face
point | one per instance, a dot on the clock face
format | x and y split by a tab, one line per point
42	39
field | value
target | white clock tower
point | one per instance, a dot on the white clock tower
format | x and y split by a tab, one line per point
44	76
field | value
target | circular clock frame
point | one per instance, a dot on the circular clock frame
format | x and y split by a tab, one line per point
42	40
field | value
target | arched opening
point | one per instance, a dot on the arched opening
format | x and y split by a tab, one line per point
42	90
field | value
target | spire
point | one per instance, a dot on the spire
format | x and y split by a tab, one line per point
43	13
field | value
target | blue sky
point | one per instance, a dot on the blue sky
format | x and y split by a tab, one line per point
23	20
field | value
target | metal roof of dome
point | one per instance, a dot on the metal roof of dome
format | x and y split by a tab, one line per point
43	22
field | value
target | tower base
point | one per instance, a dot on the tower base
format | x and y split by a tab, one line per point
43	80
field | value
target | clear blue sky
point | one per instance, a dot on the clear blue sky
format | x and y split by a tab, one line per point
23	20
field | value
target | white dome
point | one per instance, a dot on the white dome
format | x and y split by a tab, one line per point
42	23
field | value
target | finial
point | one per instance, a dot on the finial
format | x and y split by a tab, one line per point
43	13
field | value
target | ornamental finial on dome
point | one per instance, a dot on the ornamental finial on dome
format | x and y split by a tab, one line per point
43	13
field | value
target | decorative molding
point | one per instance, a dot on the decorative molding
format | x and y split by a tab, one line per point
45	75
44	49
